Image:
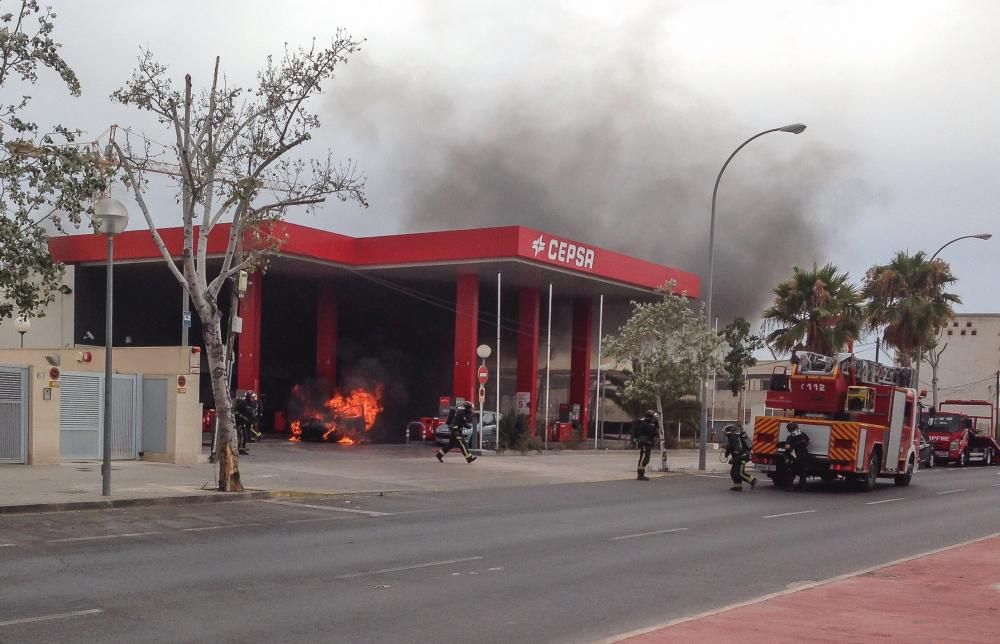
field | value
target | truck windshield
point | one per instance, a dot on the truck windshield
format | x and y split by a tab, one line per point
944	423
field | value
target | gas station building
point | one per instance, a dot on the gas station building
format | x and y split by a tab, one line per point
406	310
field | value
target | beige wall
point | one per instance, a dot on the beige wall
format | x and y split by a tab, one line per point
183	408
969	364
54	329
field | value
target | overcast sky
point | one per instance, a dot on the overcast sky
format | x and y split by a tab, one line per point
609	125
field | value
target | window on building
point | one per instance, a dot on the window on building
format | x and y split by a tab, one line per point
746	416
973	332
968	324
963	331
950	332
956	324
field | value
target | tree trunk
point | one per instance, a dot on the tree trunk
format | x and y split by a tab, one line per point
663	437
227	454
934	384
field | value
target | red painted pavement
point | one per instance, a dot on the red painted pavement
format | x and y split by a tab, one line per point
948	596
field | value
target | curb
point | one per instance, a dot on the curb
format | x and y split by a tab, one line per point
216	497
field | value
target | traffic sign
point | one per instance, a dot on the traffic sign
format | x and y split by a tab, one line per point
482	395
186	317
484	374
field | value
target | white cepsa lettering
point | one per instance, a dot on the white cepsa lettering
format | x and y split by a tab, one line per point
568	253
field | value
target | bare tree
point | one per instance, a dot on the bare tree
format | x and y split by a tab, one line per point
934	351
231	154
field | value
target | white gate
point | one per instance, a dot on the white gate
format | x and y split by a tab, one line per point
13	414
81	416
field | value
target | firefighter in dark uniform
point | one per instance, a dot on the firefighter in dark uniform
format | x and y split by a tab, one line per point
646	432
798	446
738	451
463	419
245	411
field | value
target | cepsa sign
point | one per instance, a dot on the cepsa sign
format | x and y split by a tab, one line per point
564	252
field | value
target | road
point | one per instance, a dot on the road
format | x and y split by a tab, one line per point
557	563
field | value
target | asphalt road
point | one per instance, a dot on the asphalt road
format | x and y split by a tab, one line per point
558	563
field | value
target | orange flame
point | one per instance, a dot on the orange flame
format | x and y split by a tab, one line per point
359	404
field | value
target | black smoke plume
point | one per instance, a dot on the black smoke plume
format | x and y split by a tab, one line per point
607	149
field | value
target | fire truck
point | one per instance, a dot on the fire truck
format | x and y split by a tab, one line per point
861	418
962	432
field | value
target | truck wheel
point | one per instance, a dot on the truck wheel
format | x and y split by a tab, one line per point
902	480
783	479
827	476
867	481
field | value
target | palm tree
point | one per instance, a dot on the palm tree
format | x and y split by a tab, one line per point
816	310
908	302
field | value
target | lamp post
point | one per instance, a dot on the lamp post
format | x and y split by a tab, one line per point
794	128
23	325
920	352
112	218
983	236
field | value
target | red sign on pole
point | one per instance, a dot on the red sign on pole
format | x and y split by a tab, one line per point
484	374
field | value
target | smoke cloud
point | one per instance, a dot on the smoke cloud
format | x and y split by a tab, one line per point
588	135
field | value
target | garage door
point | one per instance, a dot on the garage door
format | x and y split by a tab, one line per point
81	416
13	414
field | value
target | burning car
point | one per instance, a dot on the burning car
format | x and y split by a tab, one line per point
343	419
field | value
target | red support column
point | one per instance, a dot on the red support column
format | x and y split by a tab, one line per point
248	369
579	370
466	335
529	303
326	336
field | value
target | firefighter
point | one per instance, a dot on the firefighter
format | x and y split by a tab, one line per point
245	412
798	447
461	420
738	451
257	407
646	432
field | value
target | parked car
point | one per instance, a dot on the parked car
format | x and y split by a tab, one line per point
442	434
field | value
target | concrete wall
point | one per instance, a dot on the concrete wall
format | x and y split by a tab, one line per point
183	408
969	364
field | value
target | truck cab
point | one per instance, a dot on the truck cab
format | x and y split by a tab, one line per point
961	432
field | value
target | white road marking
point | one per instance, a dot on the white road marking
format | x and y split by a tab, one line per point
883	501
29	620
646	534
328	508
103	536
11	545
787	514
951	491
711	476
413	567
318	519
220	527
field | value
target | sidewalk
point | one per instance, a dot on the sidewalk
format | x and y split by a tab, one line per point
950	595
277	467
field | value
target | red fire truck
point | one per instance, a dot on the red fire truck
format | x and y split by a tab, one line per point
962	432
861	418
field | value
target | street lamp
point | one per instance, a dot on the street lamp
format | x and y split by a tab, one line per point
920	352
112	218
23	325
794	128
983	236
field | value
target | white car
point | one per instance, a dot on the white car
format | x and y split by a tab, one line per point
442	434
